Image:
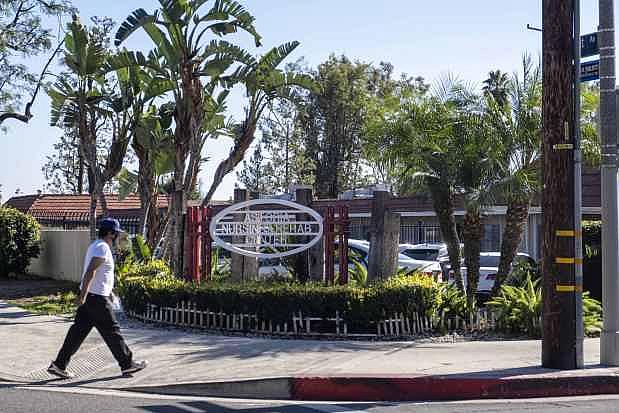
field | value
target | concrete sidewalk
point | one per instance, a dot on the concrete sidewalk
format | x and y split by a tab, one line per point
196	363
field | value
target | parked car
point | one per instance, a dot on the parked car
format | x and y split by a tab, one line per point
424	252
267	267
429	254
362	249
488	268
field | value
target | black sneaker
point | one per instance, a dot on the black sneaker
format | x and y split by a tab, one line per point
57	371
135	367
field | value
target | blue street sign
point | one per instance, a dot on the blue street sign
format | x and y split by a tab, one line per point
589	45
589	71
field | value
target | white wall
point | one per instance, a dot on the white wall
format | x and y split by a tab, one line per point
62	254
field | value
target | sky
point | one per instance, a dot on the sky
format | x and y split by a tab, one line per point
420	38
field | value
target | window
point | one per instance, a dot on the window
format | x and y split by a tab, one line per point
423	254
489	261
492	238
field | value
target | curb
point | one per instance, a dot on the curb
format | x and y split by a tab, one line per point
422	388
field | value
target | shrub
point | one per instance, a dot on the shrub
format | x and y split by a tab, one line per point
520	309
453	301
19	241
592	315
277	301
522	272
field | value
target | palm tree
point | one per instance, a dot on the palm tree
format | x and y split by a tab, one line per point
177	30
151	143
89	102
476	175
419	139
496	86
264	83
518	127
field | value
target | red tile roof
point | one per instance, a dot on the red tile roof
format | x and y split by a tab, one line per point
52	204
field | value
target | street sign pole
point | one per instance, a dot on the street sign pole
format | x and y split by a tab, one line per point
576	296
609	342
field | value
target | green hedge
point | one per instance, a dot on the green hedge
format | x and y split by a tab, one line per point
278	301
19	241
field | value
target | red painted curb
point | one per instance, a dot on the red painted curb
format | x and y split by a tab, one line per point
432	388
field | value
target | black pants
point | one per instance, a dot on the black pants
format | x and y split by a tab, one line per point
95	312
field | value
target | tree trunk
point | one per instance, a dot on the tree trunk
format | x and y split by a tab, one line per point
80	174
104	209
149	218
515	221
472	234
92	218
443	207
175	228
236	155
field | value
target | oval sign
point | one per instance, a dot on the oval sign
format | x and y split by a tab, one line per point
272	229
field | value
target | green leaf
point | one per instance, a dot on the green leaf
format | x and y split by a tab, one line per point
128	182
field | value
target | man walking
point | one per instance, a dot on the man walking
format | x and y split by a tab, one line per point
95	306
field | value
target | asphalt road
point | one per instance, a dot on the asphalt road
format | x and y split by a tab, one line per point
27	399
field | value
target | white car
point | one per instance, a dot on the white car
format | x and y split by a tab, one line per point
424	252
430	254
488	268
362	248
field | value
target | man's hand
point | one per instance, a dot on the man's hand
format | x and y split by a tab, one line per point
81	299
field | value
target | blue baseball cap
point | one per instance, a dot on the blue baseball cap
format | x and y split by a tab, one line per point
110	224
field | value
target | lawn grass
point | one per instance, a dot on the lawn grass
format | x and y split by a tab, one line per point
60	303
40	296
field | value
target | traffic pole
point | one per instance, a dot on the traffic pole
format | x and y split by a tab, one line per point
609	342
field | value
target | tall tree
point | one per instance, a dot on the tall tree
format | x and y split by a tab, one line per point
264	84
476	176
420	138
496	86
284	146
152	144
177	30
23	34
255	175
590	124
93	104
517	124
388	97
64	168
332	123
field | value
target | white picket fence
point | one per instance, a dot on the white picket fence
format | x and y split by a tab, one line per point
187	314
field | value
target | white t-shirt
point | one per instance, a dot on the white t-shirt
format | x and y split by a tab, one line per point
103	283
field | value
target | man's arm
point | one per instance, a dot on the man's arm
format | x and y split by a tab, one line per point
89	275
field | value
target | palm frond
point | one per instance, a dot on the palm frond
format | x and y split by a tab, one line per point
135	21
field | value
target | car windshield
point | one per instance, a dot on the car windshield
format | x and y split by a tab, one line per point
489	261
424	254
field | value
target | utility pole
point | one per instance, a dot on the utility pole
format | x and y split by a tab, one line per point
562	339
609	342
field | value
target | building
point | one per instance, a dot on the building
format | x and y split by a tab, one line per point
73	211
418	221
